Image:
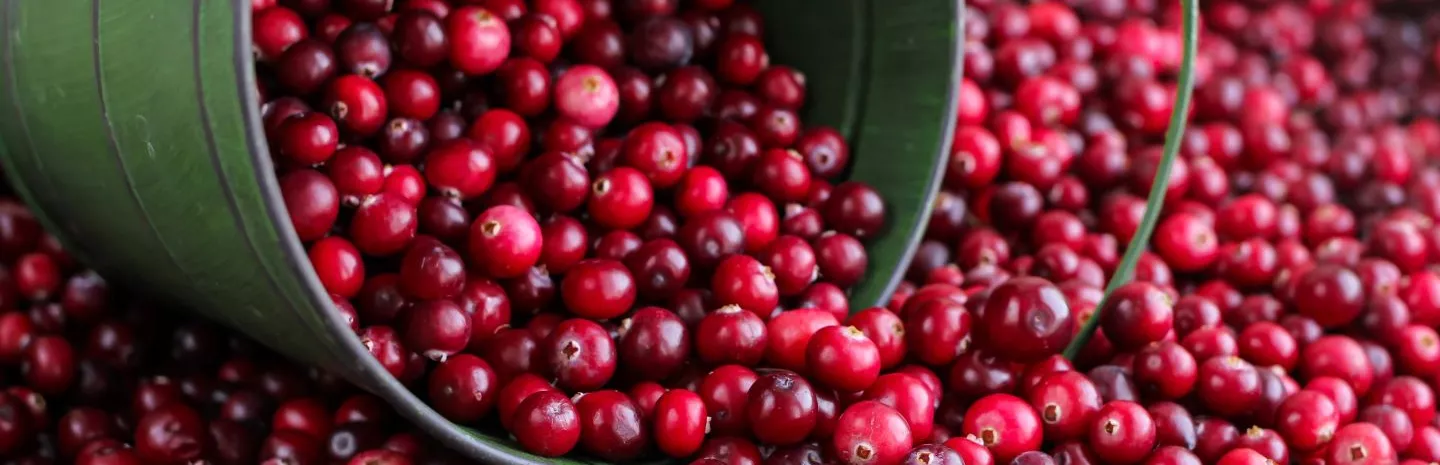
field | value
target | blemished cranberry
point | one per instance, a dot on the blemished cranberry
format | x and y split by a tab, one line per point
611	427
1122	432
580	354
1028	317
546	423
174	433
869	432
463	388
1005	424
653	343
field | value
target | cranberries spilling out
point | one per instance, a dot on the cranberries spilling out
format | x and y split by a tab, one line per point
602	226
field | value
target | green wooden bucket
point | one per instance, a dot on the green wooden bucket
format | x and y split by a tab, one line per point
132	128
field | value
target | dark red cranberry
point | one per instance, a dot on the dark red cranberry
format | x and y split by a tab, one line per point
611	427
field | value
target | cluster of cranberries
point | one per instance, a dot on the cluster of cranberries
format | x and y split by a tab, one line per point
91	377
1285	310
534	213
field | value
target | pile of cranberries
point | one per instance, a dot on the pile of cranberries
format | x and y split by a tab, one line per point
598	227
543	215
90	376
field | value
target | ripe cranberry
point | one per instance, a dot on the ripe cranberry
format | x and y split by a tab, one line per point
907	394
611	427
505	241
1028	317
731	335
1228	385
939	331
781	408
869	432
173	433
886	331
598	289
1330	294
653	343
1066	402
1136	314
1341	357
1265	344
1307	420
680	423
479	41
546	424
725	391
1123	432
710	236
1004	424
48	365
580	354
843	358
789	333
1360	443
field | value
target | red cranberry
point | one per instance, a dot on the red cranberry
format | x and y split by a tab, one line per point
547	424
731	335
1004	424
871	433
1123	432
653	343
680	423
611	427
1027	316
173	433
581	355
505	241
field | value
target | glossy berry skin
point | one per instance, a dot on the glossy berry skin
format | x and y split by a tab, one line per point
681	422
731	334
653	344
174	433
1307	420
505	241
312	201
1228	386
620	199
1066	403
1331	295
1005	424
1340	357
1122	433
1137	314
598	289
587	95
1028	317
938	331
431	270
436	329
546	424
908	394
788	336
580	354
463	388
842	358
781	408
726	393
384	224
871	433
460	168
611	427
479	40
742	280
1361	443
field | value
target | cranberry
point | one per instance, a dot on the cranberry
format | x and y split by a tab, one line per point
781	408
1165	370
725	391
1341	357
869	432
680	423
1135	315
731	335
581	355
598	289
1228	385
1028	317
505	241
173	433
653	343
1359	443
1123	432
547	424
843	358
48	365
789	333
